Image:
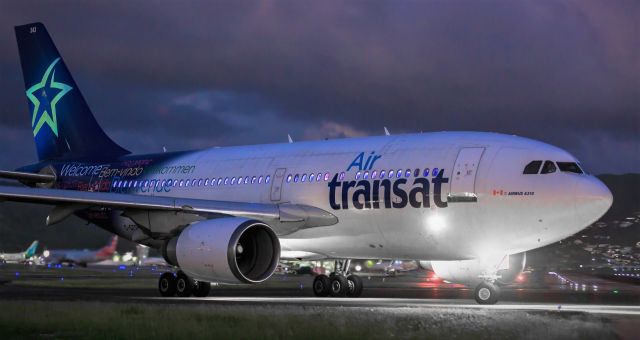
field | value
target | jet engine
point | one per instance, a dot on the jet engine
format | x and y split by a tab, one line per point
502	269
225	250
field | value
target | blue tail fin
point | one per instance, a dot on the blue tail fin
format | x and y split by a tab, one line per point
62	123
31	250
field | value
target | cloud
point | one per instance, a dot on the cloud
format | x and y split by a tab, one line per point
202	73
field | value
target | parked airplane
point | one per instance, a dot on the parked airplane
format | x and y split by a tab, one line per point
470	203
21	256
81	257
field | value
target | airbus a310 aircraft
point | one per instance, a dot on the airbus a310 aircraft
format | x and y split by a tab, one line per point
468	203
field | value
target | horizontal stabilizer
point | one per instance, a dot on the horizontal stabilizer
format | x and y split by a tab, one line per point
27	176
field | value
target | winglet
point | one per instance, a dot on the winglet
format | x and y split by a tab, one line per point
290	139
386	132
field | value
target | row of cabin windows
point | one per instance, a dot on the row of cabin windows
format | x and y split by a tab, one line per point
373	174
195	182
534	167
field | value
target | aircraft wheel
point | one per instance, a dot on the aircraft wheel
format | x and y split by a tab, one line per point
184	285
167	284
339	285
487	293
321	286
201	289
354	286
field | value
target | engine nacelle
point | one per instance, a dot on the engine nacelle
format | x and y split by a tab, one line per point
226	250
504	269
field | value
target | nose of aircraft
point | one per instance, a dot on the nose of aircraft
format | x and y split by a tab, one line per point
593	199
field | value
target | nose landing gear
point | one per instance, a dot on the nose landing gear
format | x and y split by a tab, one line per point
486	293
339	283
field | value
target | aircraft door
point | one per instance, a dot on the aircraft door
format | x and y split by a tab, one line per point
276	184
463	179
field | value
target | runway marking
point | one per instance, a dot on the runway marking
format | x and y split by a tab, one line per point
419	303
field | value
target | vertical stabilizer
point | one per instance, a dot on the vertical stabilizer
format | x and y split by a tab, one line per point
61	121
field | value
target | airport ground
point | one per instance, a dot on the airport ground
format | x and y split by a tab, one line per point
122	302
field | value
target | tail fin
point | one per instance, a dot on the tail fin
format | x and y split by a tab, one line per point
62	123
31	250
109	249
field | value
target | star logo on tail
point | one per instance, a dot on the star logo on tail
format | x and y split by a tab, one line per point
44	96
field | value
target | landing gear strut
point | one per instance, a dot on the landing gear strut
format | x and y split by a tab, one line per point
180	284
340	283
487	293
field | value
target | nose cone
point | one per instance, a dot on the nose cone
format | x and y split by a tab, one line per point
593	199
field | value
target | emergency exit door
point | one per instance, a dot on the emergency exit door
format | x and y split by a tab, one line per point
463	179
276	184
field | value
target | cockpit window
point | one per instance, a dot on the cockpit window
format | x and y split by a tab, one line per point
548	167
569	167
532	168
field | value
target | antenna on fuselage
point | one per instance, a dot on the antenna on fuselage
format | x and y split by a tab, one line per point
386	132
289	136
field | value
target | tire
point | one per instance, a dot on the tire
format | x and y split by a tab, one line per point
201	289
486	293
167	284
339	286
184	285
354	286
321	286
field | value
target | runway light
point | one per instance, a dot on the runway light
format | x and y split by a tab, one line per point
17	274
46	253
122	267
435	223
358	268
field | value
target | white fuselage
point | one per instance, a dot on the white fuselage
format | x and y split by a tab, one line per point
486	203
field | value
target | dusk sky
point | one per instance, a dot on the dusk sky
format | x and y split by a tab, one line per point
201	74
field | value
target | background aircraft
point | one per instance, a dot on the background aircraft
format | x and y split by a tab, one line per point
81	257
21	256
469	203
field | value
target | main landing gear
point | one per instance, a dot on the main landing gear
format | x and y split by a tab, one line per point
339	283
180	284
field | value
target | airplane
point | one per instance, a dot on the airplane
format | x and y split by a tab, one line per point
471	204
81	257
21	256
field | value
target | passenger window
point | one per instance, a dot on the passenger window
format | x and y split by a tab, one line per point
253	180
381	173
416	173
569	167
260	180
289	178
435	172
374	173
246	180
548	167
311	177
326	176
532	168
407	173
426	172
366	175
267	179
304	178
295	178
358	175
342	176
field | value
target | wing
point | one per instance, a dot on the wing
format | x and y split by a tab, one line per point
162	215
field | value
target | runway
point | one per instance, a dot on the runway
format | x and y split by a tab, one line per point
565	305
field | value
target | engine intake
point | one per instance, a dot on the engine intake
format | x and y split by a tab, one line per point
226	250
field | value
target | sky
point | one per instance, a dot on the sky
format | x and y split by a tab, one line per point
187	75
